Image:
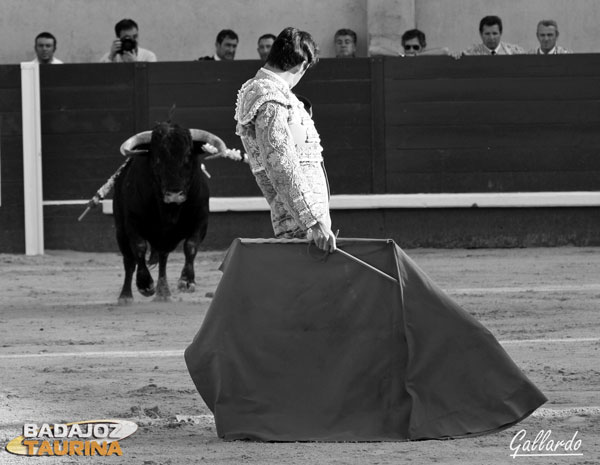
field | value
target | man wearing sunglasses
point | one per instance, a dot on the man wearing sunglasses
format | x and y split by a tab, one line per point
414	43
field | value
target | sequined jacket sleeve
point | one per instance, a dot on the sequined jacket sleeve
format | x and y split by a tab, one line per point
282	165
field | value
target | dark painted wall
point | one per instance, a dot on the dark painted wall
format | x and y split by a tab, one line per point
432	124
501	124
12	216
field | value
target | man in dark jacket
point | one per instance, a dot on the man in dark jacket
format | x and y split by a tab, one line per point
225	46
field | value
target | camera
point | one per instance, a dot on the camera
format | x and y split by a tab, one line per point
128	44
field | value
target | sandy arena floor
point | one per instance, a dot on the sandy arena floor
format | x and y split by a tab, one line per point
69	353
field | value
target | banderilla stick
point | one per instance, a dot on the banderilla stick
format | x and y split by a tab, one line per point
365	264
104	190
94	202
85	212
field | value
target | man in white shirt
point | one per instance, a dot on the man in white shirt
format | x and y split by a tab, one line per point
125	48
490	30
45	46
547	35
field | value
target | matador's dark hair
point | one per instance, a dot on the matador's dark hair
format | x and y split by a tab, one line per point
291	48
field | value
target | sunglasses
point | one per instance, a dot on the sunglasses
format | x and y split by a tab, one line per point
412	47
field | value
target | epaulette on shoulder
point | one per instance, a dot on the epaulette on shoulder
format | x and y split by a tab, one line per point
255	93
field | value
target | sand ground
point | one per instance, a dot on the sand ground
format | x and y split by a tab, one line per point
69	353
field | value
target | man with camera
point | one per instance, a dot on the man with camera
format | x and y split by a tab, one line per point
125	48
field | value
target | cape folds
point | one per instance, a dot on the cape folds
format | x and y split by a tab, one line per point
297	348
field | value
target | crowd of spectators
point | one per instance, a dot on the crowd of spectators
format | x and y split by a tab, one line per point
414	42
490	31
125	47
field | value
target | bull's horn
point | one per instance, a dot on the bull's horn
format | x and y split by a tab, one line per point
134	141
200	135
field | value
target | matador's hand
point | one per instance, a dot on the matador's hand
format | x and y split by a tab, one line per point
323	237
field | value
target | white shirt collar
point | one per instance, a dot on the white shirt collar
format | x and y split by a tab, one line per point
54	61
551	52
275	75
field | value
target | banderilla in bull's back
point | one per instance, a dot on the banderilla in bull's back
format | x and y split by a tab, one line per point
161	198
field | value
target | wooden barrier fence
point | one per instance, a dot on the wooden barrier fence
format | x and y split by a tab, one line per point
390	127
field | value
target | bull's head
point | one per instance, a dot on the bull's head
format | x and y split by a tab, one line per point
172	156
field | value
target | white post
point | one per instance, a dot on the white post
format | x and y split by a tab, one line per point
32	159
386	22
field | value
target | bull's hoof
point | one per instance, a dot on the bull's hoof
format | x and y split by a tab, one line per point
148	292
125	301
186	286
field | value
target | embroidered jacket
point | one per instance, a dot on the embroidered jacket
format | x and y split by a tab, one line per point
503	49
284	153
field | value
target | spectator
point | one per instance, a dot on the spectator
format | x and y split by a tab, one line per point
125	48
547	34
45	46
345	43
265	42
414	43
490	30
225	46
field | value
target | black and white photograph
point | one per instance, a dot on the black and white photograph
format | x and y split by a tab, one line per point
361	232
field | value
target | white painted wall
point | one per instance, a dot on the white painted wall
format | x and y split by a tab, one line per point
181	30
176	30
386	22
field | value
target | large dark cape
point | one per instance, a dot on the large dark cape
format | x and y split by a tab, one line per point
294	348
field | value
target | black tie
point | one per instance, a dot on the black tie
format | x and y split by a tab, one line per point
493	52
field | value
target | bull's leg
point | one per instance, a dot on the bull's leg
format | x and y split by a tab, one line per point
126	296
187	281
143	278
153	258
163	294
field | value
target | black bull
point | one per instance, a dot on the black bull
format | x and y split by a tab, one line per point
161	198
